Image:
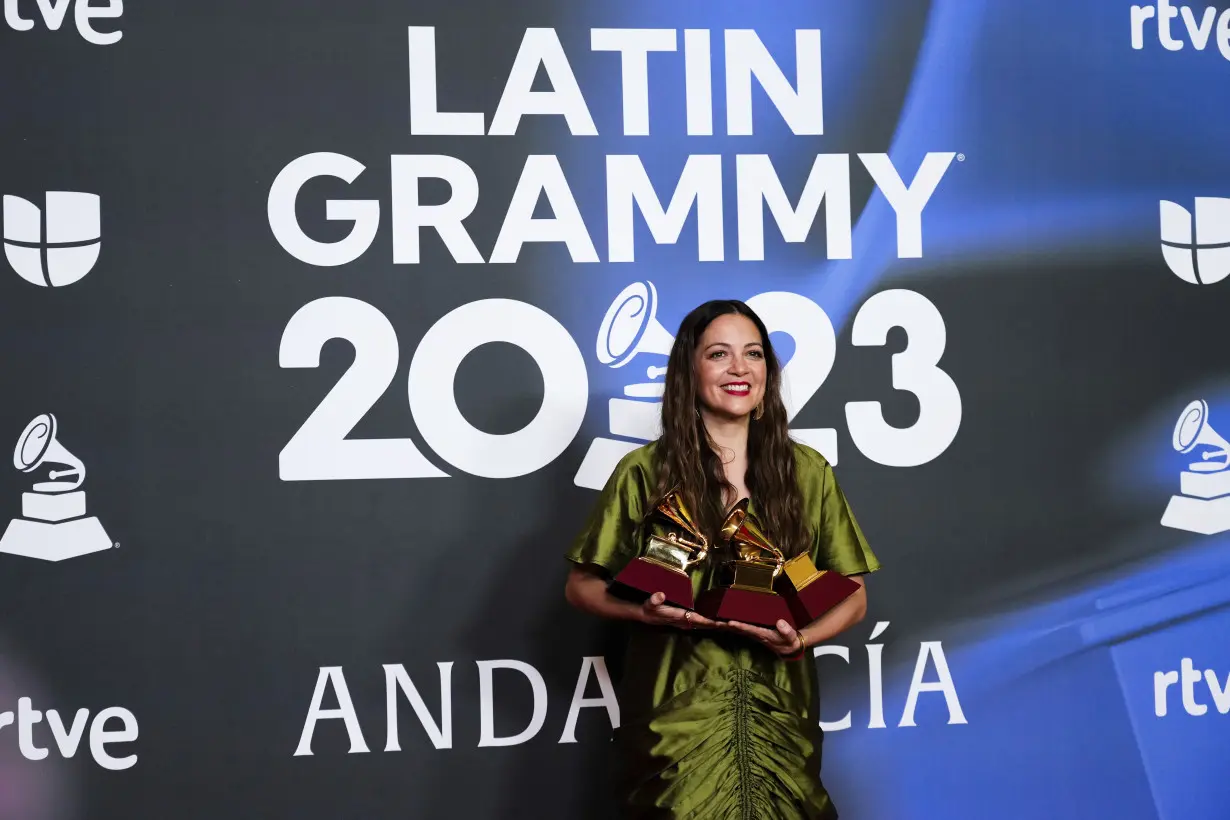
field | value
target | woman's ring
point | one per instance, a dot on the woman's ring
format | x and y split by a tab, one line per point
687	616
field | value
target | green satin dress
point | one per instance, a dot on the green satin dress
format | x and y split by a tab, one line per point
714	726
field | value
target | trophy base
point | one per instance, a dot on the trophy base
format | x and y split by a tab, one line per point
1207	516
54	542
826	590
650	577
746	605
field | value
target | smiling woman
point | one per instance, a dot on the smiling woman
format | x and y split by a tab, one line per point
730	369
718	718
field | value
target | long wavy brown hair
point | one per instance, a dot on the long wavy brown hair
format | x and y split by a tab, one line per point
686	455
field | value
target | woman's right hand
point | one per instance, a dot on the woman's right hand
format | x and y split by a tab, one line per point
657	612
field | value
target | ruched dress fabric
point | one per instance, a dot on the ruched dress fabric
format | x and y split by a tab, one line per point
714	726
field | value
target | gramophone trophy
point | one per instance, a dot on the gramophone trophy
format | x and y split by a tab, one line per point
629	330
1203	502
745	590
811	592
53	525
668	558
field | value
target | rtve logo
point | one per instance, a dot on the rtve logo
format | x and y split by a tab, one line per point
57	245
1198	32
53	12
1197	249
1192	681
66	735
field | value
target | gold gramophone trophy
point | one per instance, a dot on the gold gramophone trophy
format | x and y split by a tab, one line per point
745	585
668	558
811	592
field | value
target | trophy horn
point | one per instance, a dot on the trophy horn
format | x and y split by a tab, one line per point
752	544
39	446
734	519
673	508
1193	428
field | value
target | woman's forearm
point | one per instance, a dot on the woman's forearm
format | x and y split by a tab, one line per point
588	592
837	620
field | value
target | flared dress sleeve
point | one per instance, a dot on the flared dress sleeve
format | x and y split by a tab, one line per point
610	537
838	543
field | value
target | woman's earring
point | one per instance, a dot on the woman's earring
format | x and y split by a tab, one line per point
758	414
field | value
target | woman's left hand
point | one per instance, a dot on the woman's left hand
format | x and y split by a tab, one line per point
784	640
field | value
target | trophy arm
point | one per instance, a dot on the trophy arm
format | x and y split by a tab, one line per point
762	552
698	557
702	545
764	557
687	553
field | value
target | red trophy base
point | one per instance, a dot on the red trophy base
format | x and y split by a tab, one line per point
745	605
650	577
825	592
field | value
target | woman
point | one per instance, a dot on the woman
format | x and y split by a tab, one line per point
719	720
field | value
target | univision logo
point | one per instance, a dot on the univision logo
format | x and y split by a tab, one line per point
1197	249
57	245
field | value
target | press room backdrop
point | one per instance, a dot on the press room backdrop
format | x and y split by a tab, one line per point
323	322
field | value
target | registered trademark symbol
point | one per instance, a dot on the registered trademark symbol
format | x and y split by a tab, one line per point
116	545
960	157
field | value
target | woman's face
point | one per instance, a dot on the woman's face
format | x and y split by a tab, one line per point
730	366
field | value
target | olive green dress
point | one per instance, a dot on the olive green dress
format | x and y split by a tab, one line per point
712	724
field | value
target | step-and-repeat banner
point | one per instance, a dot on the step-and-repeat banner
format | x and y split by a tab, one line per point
323	322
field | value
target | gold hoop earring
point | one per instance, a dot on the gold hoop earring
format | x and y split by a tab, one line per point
758	413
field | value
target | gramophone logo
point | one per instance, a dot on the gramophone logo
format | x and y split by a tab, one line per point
1197	248
53	524
1203	504
630	328
55	246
